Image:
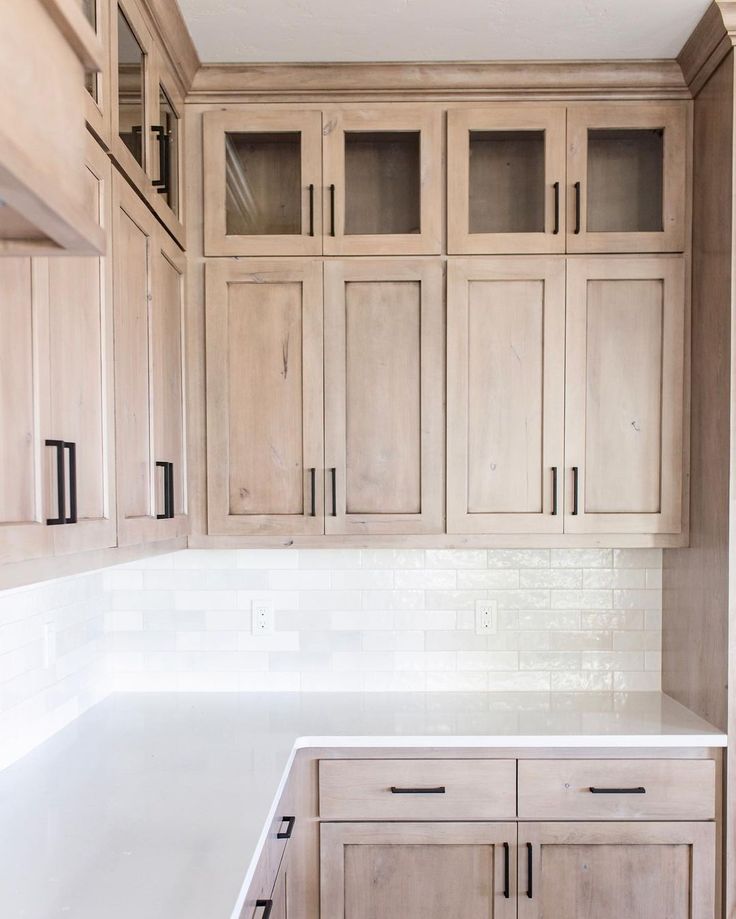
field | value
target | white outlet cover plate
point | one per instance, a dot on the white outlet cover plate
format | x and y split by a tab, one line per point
262	617
486	617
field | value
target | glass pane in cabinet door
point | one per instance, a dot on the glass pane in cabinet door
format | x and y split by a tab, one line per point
89	8
131	106
625	180
167	133
263	176
382	182
506	182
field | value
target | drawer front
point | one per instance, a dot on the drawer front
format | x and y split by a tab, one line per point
417	789
616	789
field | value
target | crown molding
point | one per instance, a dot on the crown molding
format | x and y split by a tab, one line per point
712	39
173	36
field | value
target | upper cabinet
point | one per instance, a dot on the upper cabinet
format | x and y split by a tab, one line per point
98	99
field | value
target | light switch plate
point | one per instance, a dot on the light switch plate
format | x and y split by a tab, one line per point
262	621
486	617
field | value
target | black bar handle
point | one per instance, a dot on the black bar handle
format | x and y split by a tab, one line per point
577	208
529	871
311	210
639	790
333	471
168	469
556	228
554	491
506	871
430	790
162	183
170	492
72	448
60	484
313	489
266	906
575	489
286	834
332	210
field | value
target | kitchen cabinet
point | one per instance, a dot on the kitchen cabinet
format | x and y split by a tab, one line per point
265	393
506	179
624	399
98	99
505	395
418	870
262	181
384	377
613	870
149	379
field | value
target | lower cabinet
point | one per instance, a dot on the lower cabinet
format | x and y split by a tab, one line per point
280	895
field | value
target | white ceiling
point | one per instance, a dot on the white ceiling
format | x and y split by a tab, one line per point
439	30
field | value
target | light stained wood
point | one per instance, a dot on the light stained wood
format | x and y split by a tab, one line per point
361	789
416	870
384	419
710	43
624	394
560	790
609	870
365	179
98	105
625	185
264	387
505	394
173	39
496	187
72	24
262	173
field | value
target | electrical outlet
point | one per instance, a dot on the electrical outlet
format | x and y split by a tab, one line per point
486	617
262	622
49	646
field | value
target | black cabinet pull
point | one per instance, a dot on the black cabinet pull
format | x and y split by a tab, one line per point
332	210
162	183
286	834
311	210
639	790
266	906
575	489
168	469
333	471
313	489
506	871
554	491
60	519
430	790
556	228
577	208
72	448
529	871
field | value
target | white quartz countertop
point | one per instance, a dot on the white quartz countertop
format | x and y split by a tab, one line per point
154	806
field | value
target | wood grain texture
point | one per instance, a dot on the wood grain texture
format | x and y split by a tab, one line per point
709	44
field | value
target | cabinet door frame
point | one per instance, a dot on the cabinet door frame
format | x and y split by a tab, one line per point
218	275
215	125
673	118
551	119
427	120
334	837
699	835
515	268
430	519
99	111
672	270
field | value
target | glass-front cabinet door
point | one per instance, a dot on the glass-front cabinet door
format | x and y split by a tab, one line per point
627	174
131	78
382	174
262	183
506	177
97	85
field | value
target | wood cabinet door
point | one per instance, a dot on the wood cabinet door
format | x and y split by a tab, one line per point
627	173
97	85
262	181
264	397
418	870
506	179
505	395
382	175
624	394
384	419
616	870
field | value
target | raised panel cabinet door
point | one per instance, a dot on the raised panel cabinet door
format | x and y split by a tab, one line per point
418	870
23	411
624	401
505	395
506	179
384	413
81	374
262	182
264	397
627	174
616	870
382	180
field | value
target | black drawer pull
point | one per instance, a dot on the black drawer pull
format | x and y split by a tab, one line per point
313	489
62	518
577	208
168	469
266	906
432	790
529	871
286	834
639	790
556	228
332	210
311	210
506	871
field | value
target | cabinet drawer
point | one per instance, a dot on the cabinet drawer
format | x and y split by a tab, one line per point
616	789
417	789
